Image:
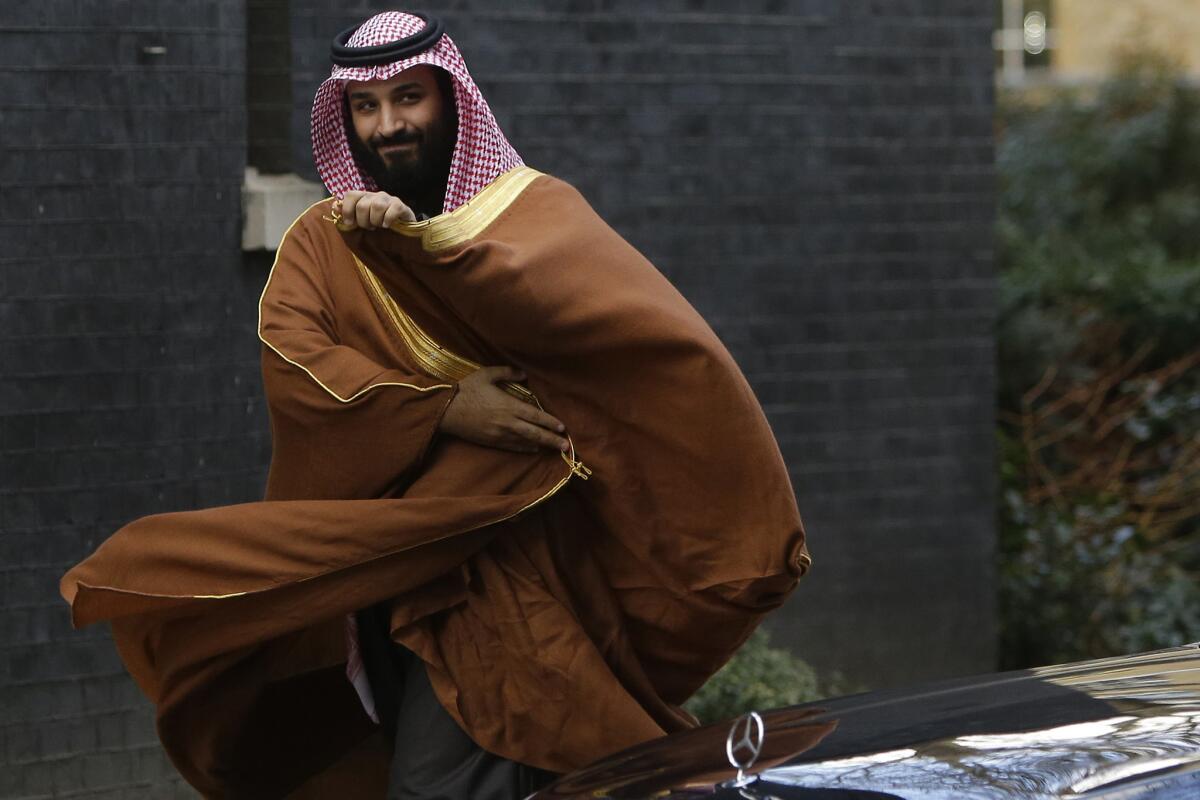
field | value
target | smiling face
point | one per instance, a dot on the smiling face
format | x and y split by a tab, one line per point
402	132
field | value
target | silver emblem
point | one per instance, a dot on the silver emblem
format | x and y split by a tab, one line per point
744	744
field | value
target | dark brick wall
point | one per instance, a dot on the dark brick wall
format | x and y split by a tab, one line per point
268	85
816	177
128	365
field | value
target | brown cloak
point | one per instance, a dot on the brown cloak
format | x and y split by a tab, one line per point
560	620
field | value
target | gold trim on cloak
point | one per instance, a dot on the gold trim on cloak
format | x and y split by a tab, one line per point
468	220
263	337
440	232
438	362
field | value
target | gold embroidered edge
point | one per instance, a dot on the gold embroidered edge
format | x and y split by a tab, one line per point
472	217
445	364
262	336
538	501
431	357
550	493
576	468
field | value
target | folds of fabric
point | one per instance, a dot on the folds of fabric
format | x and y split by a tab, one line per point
686	534
560	620
690	480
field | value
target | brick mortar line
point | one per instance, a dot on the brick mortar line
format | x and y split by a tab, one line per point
85	716
846	348
154	257
86	644
202	371
234	145
127	409
838	375
101	487
231	33
205	332
148	69
92	792
73	680
909	403
60	488
890	462
111	107
877	432
190	219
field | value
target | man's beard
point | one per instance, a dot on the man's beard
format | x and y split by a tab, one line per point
418	177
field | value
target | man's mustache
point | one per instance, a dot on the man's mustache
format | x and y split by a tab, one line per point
403	137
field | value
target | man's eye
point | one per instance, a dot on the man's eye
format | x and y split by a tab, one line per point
365	106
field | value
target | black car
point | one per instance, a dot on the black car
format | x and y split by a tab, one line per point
1115	728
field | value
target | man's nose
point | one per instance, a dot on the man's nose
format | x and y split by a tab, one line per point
390	122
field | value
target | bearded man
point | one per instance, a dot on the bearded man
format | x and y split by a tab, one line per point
511	613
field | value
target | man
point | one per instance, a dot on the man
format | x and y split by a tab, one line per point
402	131
531	617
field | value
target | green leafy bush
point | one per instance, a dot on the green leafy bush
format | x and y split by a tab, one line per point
759	677
1099	365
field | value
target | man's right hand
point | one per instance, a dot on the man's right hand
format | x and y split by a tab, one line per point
484	413
371	210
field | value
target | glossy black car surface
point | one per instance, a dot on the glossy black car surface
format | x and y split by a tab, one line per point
1119	729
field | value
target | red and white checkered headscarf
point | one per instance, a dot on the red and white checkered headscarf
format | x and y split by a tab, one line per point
481	154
